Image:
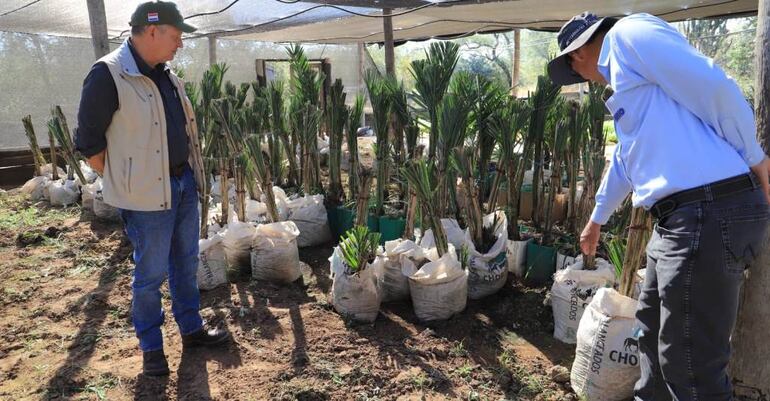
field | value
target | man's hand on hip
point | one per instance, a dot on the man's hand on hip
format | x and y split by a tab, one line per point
96	162
589	238
762	171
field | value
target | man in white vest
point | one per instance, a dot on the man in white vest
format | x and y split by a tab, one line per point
137	128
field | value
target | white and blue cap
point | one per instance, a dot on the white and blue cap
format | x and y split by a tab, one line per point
574	34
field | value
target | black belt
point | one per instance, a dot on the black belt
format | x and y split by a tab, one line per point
713	191
177	171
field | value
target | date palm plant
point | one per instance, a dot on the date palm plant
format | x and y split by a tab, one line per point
422	177
306	84
485	97
510	128
453	127
59	129
37	154
278	126
402	118
576	134
541	101
379	95
359	248
210	89
336	117
432	77
355	114
593	111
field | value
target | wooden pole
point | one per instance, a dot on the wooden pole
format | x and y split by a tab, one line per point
98	19
749	367
212	50
390	57
516	62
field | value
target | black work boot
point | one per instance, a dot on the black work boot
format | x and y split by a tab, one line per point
154	363
205	338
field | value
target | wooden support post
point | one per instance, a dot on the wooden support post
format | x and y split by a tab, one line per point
212	50
749	367
390	57
362	53
98	19
516	62
261	68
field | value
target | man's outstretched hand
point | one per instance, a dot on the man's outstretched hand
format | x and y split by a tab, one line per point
762	171
589	238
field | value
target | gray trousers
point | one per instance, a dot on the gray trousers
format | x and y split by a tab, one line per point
689	302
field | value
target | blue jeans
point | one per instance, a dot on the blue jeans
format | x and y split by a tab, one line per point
688	306
165	244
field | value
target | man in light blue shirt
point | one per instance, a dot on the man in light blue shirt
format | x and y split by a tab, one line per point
688	152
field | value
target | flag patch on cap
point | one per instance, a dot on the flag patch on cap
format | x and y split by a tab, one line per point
152	17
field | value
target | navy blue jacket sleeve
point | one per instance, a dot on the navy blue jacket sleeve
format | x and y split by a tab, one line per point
98	103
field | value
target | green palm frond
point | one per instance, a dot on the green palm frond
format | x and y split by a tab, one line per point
336	118
432	77
359	248
422	179
379	89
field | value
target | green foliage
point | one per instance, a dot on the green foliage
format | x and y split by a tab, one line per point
380	97
355	114
306	81
422	179
336	118
616	251
541	103
432	77
57	126
358	248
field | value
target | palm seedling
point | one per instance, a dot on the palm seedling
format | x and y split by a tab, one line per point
402	119
379	96
228	116
576	130
432	76
638	235
259	169
53	154
278	125
593	152
616	252
355	114
306	120
210	89
507	124
413	151
257	115
453	126
541	101
336	117
485	97
558	145
462	163
57	126
273	136
364	190
422	177
359	248
37	154
306	86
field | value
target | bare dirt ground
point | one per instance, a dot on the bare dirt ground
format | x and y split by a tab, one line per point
66	334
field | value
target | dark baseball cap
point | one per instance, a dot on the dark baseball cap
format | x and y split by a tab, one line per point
573	35
160	13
